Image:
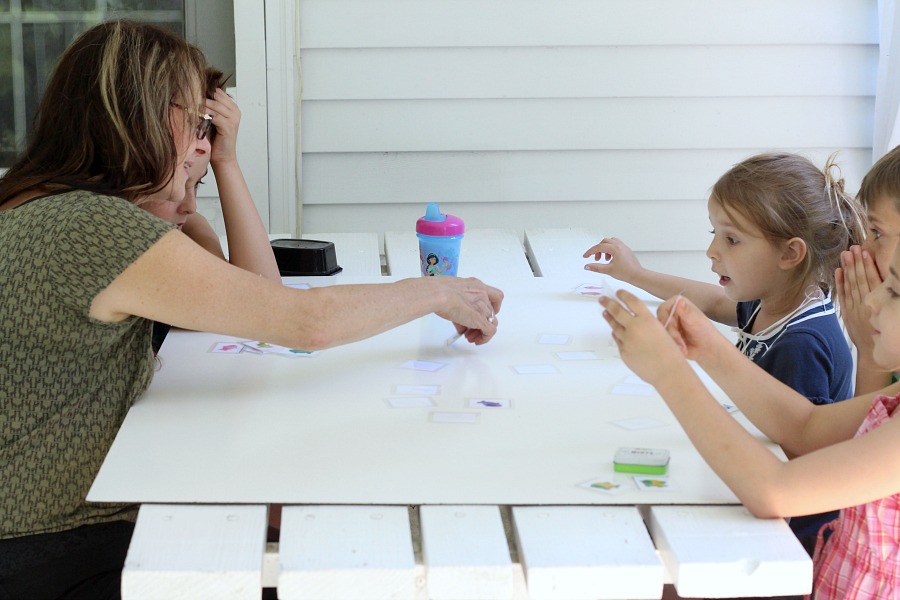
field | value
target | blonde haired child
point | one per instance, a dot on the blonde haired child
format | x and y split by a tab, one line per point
779	227
864	267
848	453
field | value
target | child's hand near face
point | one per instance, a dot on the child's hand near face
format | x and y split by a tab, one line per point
854	280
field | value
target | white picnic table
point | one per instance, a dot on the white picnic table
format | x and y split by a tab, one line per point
474	487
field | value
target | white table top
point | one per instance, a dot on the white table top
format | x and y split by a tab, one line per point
244	428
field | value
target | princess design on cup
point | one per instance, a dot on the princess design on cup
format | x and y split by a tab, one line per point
432	267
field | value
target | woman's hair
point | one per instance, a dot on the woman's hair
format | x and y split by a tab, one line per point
882	180
787	196
103	122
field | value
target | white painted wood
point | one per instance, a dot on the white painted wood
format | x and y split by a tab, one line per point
485	253
446	23
196	552
386	179
271	565
588	72
358	254
326	420
493	253
558	252
723	551
283	112
586	552
588	123
465	553
333	552
543	113
401	253
250	94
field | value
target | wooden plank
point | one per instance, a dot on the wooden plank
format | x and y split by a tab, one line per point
668	226
723	551
558	252
401	253
586	552
359	254
330	552
465	553
392	179
582	124
196	552
252	96
588	72
478	23
486	253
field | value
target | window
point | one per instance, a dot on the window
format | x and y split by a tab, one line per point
33	33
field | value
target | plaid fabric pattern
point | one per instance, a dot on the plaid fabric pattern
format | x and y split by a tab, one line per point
861	559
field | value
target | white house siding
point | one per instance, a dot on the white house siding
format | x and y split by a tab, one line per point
617	114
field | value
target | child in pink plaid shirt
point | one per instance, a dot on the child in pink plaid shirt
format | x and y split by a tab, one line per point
847	454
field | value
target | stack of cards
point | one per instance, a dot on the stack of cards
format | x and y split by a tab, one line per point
256	347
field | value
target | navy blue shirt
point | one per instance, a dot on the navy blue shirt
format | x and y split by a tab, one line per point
811	355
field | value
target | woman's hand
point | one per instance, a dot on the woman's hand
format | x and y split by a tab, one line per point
471	306
226	119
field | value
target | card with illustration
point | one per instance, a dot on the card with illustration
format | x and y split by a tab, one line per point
263	347
227	348
652	483
488	403
297	353
603	485
590	289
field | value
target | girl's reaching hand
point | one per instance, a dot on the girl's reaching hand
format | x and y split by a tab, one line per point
622	265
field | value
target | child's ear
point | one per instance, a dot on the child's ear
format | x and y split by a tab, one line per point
794	253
